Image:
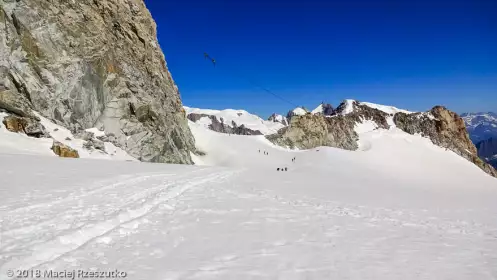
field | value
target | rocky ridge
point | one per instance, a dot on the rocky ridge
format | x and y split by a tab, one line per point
222	127
86	64
232	121
445	129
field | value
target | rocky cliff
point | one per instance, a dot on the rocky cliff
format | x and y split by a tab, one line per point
444	128
90	64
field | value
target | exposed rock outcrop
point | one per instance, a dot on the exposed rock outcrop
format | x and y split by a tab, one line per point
64	151
29	126
445	129
324	109
278	118
219	125
481	126
299	111
90	64
314	130
310	131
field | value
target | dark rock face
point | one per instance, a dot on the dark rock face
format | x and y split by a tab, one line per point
327	109
90	64
221	127
445	129
363	112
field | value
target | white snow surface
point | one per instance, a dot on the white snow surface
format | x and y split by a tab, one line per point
400	208
365	126
387	109
349	106
279	118
18	143
240	117
319	109
299	111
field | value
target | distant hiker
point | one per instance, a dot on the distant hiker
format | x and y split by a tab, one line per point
259	151
278	169
286	169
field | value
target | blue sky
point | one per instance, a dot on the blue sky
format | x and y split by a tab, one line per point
409	54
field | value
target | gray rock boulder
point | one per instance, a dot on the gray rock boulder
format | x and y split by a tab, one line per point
63	150
90	64
29	126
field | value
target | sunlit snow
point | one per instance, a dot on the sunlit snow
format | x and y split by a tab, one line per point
398	208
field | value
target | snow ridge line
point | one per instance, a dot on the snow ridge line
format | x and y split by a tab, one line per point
68	242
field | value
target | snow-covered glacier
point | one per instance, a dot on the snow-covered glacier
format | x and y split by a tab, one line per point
398	208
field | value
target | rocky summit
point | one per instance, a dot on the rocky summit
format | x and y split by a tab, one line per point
86	64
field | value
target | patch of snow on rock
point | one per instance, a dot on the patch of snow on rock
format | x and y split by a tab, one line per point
387	109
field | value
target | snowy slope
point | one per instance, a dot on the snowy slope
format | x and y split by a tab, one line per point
400	208
348	106
278	118
240	117
17	143
299	111
387	109
318	109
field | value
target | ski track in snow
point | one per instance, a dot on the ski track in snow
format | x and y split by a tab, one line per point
65	224
399	208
